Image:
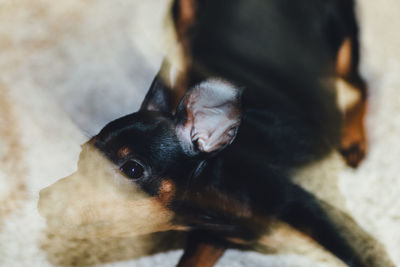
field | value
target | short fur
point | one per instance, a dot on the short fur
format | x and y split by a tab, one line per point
268	69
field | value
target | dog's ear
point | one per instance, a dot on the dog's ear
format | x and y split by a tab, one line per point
208	117
158	98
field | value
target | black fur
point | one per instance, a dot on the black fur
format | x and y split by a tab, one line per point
278	51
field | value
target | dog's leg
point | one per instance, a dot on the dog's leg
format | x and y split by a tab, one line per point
199	252
334	230
353	142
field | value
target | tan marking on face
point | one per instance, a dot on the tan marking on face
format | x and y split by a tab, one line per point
344	58
166	192
123	152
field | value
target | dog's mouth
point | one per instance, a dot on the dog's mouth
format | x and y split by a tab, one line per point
98	201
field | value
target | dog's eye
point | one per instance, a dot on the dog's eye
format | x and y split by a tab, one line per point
132	169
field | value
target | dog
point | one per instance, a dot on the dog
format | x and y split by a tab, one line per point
217	139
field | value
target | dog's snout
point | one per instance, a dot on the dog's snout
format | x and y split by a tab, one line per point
43	193
52	196
43	199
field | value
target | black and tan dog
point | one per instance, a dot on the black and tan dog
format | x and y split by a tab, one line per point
217	159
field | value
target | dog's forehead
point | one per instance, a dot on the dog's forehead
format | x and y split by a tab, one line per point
146	133
137	124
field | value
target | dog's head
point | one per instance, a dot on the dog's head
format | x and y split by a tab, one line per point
131	172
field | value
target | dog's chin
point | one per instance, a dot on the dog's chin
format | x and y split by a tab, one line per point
97	201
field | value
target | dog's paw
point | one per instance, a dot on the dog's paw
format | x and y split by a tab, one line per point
353	144
354	153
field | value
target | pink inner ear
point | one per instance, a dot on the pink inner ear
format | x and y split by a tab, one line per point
213	115
213	129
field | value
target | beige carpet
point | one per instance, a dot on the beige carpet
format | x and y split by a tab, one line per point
67	68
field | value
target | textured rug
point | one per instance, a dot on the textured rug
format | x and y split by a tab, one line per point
67	68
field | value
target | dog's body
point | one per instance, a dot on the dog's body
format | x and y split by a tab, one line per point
261	105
